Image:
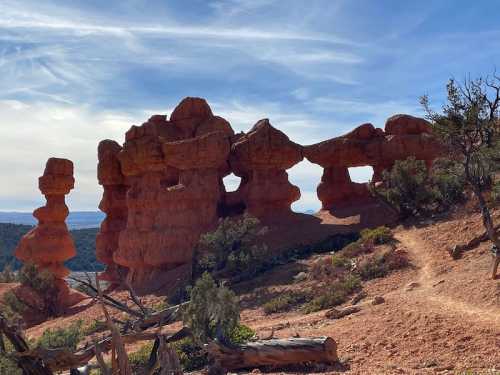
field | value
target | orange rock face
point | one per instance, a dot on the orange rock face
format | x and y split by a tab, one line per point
49	244
261	158
163	188
161	191
114	204
368	146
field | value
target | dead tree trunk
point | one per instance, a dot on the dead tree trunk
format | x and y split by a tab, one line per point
30	366
274	353
490	229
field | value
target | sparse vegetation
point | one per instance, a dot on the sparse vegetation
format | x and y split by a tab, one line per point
379	236
232	249
413	190
7	365
94	327
469	128
495	192
62	337
285	301
42	283
379	265
8	275
337	293
213	312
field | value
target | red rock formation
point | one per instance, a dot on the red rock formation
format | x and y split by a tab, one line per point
164	187
49	244
367	146
261	158
114	204
173	171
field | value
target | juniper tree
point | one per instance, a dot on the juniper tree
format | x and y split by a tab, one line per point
469	128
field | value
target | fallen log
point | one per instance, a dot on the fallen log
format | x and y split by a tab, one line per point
274	353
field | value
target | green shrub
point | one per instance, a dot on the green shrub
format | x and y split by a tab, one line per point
413	190
341	261
8	366
241	334
62	337
95	326
40	281
284	302
338	293
449	182
139	359
213	312
8	275
353	249
232	248
405	186
13	308
381	264
43	284
191	355
378	236
495	192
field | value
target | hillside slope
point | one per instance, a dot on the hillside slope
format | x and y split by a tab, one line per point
439	315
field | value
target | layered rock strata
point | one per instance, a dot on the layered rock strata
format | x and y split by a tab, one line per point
164	187
366	145
49	244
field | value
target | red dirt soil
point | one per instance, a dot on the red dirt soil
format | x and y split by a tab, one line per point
440	315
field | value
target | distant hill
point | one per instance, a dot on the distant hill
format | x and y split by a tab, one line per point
10	234
75	220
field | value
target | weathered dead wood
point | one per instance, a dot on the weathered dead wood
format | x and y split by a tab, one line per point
109	301
274	353
473	243
168	360
119	354
31	366
63	359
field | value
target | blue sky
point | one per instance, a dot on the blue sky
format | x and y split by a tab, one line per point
75	72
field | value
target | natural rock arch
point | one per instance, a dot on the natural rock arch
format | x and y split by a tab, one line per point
164	187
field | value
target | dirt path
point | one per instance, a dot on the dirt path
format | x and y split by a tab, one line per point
421	256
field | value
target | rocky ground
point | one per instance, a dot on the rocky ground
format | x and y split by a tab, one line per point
439	316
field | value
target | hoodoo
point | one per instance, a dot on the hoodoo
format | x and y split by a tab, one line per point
49	244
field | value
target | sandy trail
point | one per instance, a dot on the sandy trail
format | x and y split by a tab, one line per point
421	256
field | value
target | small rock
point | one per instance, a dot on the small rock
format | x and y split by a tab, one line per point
301	276
456	252
337	314
412	286
378	300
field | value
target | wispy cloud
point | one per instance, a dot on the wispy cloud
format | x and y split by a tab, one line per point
82	71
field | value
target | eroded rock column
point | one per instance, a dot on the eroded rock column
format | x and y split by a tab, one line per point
261	158
49	244
114	205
